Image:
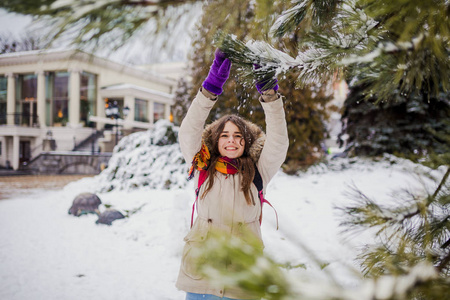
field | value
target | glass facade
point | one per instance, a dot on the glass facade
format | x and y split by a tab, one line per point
88	97
140	110
158	111
57	98
49	86
57	103
3	100
26	100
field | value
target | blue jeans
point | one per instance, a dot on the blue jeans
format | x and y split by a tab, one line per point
192	296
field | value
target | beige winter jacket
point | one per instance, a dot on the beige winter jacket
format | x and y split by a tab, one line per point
224	206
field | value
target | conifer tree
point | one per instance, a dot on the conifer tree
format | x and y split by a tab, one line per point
404	126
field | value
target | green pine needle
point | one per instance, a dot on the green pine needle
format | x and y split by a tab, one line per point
262	66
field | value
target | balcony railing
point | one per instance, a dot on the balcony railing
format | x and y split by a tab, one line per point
20	119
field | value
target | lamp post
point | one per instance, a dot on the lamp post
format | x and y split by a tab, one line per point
113	111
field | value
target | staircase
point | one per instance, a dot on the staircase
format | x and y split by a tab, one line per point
89	144
67	163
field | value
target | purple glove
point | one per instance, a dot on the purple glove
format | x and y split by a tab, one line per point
265	85
260	86
218	73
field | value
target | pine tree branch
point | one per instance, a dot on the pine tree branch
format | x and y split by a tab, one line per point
257	61
446	244
444	263
156	3
314	13
442	183
290	19
404	217
368	213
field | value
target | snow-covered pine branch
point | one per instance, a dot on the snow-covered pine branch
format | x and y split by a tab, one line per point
317	12
257	60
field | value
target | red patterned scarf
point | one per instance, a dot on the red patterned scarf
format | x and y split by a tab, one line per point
224	164
200	161
227	165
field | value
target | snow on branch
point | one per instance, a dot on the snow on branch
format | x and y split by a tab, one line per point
384	48
290	19
257	60
318	12
313	66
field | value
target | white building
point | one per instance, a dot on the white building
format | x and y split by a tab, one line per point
65	93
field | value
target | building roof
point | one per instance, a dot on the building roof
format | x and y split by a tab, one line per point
50	55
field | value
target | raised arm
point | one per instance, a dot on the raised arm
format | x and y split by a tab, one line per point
277	141
190	133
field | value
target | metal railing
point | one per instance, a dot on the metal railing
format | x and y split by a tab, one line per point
89	141
20	119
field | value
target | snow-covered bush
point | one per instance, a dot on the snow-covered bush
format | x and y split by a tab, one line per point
146	159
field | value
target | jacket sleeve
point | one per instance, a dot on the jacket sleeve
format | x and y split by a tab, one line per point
277	141
191	129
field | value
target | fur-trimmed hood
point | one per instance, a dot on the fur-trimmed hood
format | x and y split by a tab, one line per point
254	150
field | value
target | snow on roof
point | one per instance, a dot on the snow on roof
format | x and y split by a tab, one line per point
123	86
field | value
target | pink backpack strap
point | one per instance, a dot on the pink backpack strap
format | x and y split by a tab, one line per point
201	179
263	200
257	181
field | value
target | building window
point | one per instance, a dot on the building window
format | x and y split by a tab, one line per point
88	97
26	87
26	100
3	96
158	111
57	103
140	110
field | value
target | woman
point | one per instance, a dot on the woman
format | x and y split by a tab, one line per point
228	152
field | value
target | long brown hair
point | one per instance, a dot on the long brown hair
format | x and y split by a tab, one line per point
245	162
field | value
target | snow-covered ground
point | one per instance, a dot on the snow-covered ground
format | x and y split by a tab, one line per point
45	253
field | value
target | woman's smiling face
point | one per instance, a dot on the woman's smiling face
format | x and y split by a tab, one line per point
231	141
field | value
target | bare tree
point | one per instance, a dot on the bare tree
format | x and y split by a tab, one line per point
11	43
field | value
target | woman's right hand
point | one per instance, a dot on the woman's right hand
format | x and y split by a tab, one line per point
218	73
265	85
